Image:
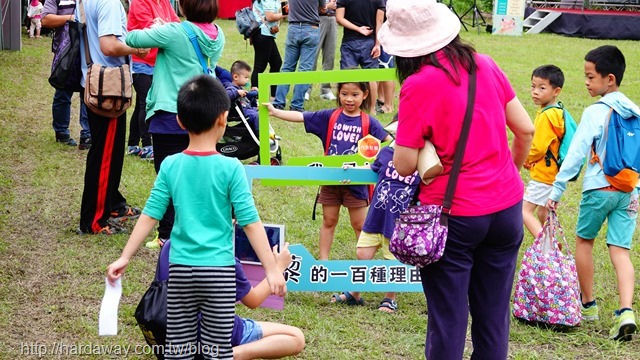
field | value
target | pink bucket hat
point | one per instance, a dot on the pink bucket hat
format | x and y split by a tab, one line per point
417	27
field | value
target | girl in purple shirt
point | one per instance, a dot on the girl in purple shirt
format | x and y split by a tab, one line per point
341	139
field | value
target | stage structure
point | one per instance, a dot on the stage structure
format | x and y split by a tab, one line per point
594	19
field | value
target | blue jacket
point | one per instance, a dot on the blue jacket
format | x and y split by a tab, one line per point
590	129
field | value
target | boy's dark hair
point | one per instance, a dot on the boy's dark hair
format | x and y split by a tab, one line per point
200	11
201	101
238	66
608	60
364	86
551	73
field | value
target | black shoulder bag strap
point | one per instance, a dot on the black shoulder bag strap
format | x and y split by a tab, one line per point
460	147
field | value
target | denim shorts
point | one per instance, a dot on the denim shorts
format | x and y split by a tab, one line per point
357	53
252	331
620	209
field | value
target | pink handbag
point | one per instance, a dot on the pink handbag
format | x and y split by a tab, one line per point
547	290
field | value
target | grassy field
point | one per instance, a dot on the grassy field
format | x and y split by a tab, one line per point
51	280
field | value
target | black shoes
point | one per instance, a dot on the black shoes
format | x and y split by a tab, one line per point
65	139
85	143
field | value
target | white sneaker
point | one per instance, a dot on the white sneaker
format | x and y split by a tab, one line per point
328	96
306	95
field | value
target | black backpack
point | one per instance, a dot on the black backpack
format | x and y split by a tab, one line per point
65	68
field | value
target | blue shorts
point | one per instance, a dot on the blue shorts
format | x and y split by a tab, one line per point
385	61
357	53
620	209
252	331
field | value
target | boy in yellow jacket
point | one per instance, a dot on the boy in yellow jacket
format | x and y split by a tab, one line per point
546	85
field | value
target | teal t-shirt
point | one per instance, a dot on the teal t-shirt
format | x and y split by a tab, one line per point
204	187
176	62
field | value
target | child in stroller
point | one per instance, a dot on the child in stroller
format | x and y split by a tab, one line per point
240	140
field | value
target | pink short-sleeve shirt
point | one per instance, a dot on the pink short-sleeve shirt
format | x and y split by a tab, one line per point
432	107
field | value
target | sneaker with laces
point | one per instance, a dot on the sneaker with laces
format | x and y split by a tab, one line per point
146	153
127	212
306	95
590	313
328	96
133	150
85	143
624	326
65	139
156	243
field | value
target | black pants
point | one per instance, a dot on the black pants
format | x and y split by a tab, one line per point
265	53
138	128
103	171
165	145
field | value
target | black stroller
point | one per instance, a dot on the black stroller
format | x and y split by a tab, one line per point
240	141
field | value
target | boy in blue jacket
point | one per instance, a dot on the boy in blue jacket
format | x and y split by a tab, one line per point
604	68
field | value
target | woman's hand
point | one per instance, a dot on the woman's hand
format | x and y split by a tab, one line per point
142	53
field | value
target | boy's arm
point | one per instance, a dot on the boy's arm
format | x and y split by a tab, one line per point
578	150
258	294
291	116
260	244
143	227
232	92
375	52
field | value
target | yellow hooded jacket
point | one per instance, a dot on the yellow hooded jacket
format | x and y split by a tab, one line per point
550	129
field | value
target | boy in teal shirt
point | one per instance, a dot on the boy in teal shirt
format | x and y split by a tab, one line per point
604	68
205	188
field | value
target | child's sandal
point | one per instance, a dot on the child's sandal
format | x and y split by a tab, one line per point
348	299
388	305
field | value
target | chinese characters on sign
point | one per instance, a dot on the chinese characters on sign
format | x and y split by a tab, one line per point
308	274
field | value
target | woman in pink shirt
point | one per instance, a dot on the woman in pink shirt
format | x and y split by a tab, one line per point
475	273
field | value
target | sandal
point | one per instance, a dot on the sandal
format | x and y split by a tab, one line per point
380	110
389	304
348	300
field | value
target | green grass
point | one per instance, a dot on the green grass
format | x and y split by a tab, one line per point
51	280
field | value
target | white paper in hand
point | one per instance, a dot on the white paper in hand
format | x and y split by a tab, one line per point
108	318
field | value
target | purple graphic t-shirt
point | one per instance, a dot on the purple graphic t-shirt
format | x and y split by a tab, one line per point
391	195
344	139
